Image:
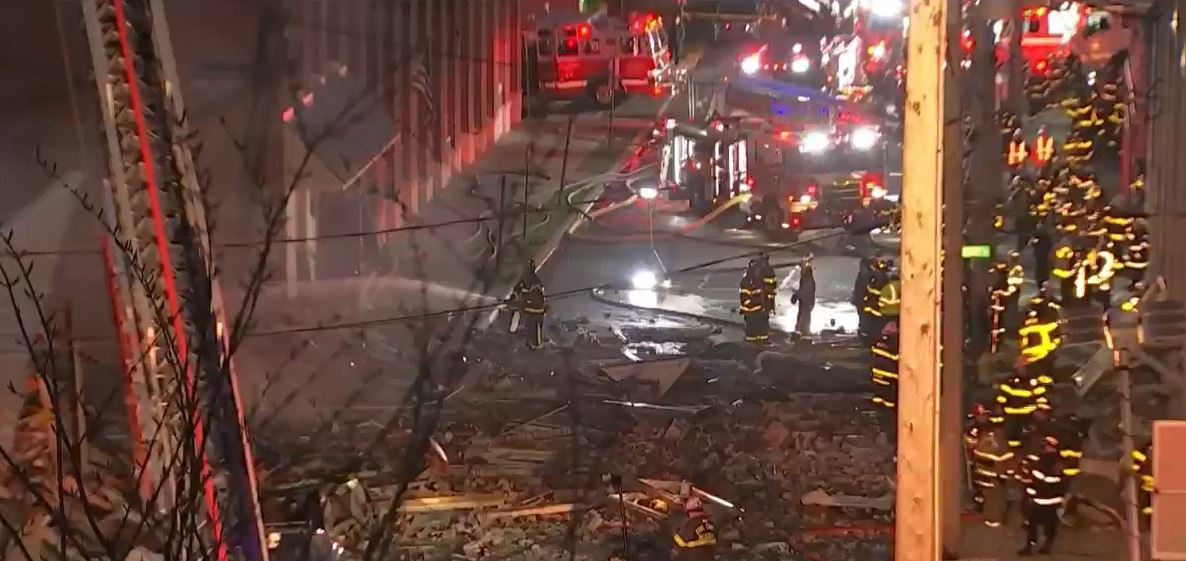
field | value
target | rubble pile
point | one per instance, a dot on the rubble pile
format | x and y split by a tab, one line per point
535	452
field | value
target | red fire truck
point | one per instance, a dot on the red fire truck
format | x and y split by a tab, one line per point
1047	31
600	58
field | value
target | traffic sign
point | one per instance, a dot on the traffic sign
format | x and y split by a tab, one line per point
976	252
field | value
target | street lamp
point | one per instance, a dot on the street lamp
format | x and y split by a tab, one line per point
645	280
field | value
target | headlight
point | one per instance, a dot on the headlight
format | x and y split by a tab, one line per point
878	192
815	143
805	199
751	64
800	65
864	138
878	51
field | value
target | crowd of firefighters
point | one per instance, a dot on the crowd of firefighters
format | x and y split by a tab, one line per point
1084	241
1083	236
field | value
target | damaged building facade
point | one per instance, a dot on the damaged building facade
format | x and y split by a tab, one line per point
413	90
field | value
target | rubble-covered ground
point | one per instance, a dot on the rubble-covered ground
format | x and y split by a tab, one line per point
535	451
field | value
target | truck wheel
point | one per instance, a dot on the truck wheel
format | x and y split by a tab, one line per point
603	95
699	204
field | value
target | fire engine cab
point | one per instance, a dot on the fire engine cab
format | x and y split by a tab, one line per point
707	165
599	58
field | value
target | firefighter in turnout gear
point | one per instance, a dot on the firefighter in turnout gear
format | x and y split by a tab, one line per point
884	366
871	299
1043	151
755	305
530	301
1070	445
1067	260
1019	397
1044	491
993	463
769	280
998	294
1078	148
804	297
1142	469
1039	333
696	538
1136	254
1008	124
1098	270
1016	153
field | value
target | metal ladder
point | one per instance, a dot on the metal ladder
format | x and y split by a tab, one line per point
180	399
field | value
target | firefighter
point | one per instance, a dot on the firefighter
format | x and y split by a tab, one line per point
1021	205
804	297
1142	469
1016	153
992	467
1007	122
1070	445
1044	492
1117	227
1043	150
755	305
1100	267
696	538
1066	266
889	299
1039	333
1042	247
1078	148
884	366
528	295
769	280
1019	398
864	270
871	298
1136	254
998	293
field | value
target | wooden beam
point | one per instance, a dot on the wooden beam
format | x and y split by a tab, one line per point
917	528
951	414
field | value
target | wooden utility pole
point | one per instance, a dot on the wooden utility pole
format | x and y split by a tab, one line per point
917	529
1017	101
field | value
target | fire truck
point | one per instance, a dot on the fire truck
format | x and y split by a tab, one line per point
707	165
868	61
601	59
710	165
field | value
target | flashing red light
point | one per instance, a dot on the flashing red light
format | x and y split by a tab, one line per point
749	180
812	190
657	90
584	31
1040	66
796	220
